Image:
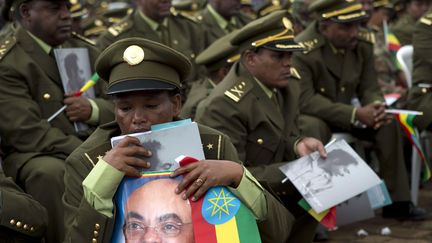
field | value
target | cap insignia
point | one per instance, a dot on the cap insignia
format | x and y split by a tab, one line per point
133	55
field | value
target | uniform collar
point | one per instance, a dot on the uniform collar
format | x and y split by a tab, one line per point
221	21
45	47
153	24
267	91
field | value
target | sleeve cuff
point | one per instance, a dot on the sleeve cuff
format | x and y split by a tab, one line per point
94	117
100	186
251	193
295	146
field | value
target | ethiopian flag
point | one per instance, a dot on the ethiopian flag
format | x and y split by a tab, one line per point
406	122
327	218
220	217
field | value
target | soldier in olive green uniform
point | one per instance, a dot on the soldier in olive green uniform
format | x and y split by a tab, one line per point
217	59
221	17
31	91
141	74
336	68
420	95
390	78
22	219
257	108
402	28
156	22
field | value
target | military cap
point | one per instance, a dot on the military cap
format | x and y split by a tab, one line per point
76	9
382	4
267	7
135	64
219	54
274	31
339	11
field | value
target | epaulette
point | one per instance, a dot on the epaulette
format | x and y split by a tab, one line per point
295	73
238	91
118	28
309	45
6	45
427	19
366	35
97	153
212	145
180	14
85	39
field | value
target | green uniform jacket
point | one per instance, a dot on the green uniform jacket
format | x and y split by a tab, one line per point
403	29
31	91
213	30
185	35
19	212
262	134
199	91
83	223
329	81
421	98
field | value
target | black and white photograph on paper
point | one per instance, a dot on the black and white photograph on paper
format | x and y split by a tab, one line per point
168	143
325	183
74	69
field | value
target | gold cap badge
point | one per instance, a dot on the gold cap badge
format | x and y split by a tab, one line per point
133	55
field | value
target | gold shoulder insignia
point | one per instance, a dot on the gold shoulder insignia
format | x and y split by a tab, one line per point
294	73
97	153
309	45
367	36
212	145
118	28
85	39
6	45
180	14
427	20
237	91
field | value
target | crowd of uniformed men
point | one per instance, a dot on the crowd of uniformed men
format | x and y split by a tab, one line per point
268	81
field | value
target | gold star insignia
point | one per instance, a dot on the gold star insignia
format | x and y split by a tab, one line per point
222	206
209	146
99	157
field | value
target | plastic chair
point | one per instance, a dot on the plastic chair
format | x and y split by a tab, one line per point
405	58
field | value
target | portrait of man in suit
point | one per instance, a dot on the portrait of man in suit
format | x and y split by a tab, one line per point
155	213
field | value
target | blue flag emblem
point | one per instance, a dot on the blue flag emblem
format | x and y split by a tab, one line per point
219	205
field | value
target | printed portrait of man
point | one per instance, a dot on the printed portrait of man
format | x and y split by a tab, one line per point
154	213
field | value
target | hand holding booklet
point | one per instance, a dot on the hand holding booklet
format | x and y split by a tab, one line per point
324	183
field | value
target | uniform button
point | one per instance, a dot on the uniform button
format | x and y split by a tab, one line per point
175	42
32	229
424	90
46	96
192	55
98	22
18	224
342	89
284	193
96	233
12	222
25	227
94	240
322	90
260	141
97	226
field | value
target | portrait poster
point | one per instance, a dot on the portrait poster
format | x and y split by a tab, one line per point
325	183
168	141
149	210
74	69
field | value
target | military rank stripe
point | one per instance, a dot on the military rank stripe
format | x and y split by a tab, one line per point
232	96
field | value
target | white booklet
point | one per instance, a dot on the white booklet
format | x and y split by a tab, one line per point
74	68
326	183
168	142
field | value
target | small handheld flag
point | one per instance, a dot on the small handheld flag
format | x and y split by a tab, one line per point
90	83
406	122
326	218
